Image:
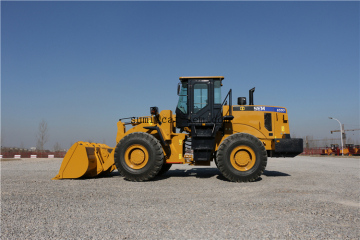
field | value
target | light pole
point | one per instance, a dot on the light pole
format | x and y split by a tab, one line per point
341	133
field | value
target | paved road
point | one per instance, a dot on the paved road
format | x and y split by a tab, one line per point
303	197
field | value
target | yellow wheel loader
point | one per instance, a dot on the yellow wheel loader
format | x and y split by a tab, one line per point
239	138
332	150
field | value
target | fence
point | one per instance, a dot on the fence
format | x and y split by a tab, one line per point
313	151
320	150
30	154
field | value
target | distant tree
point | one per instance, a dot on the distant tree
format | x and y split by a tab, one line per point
42	135
310	142
2	138
57	147
349	141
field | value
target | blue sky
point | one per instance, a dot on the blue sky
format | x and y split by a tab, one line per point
81	66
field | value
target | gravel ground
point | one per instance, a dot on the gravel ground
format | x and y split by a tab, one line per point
302	197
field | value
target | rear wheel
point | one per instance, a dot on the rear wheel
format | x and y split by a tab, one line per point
139	157
241	158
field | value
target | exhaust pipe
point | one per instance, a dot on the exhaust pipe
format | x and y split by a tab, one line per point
251	96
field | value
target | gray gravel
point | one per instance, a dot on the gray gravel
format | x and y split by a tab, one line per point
303	197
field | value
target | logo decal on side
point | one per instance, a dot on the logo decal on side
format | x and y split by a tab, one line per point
280	110
259	108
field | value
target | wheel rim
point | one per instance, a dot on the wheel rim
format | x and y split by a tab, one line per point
136	156
243	158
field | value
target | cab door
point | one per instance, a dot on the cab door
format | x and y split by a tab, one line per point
201	104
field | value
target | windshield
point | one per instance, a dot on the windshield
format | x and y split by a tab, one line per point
182	104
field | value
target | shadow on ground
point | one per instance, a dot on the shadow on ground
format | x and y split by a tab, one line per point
197	173
275	174
194	172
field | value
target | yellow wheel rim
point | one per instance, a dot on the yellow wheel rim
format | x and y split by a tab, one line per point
136	156
242	158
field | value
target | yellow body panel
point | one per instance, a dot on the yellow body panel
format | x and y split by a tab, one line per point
168	131
177	146
253	122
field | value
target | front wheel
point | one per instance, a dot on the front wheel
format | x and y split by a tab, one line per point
241	158
139	156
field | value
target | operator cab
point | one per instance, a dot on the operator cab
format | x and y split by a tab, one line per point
199	100
200	110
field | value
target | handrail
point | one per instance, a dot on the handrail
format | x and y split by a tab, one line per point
230	103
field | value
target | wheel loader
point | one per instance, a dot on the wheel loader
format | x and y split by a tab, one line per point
349	150
357	150
332	150
205	128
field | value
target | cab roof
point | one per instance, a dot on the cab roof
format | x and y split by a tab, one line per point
201	77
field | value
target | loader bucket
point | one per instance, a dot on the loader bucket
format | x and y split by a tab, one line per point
86	159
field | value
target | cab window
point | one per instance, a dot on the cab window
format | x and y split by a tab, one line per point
217	92
200	96
182	104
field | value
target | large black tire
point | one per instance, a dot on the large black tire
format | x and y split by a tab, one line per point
241	157
139	157
165	167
